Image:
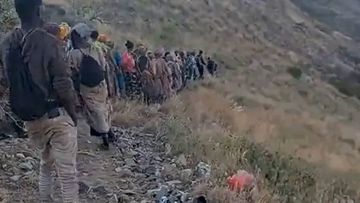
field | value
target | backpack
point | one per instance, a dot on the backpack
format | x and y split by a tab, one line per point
91	73
128	62
143	63
27	100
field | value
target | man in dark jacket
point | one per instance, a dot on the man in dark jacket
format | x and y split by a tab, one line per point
211	66
55	134
200	63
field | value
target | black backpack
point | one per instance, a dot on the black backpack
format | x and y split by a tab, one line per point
27	100
91	73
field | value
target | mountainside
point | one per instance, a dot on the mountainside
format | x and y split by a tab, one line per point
290	66
341	16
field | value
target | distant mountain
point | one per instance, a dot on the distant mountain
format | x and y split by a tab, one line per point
340	15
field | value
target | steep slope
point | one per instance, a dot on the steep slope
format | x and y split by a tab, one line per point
338	15
258	43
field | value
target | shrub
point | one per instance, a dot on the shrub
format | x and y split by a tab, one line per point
8	17
295	72
347	88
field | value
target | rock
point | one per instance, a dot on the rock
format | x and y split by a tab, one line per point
130	162
4	166
164	199
114	199
150	170
15	178
186	175
158	172
118	170
26	166
123	198
152	193
184	196
181	160
128	192
83	188
20	156
124	172
169	171
167	149
133	152
293	56
350	201
140	176
29	173
157	158
174	182
162	191
203	170
100	190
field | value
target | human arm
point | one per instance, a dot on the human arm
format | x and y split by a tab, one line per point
60	75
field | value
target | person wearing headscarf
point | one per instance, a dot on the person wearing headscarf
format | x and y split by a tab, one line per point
162	72
52	28
64	31
142	62
96	103
175	71
111	69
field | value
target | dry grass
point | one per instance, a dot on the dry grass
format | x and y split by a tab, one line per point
132	114
204	124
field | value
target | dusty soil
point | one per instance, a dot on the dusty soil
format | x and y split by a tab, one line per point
134	170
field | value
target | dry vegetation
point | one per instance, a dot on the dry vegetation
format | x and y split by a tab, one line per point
209	131
297	133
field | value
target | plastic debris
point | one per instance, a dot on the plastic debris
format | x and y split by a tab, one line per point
240	181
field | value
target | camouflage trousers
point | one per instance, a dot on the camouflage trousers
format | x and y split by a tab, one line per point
56	139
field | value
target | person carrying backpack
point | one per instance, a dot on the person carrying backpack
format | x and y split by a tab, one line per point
42	95
89	60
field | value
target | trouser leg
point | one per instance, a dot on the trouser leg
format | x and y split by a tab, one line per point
64	149
45	179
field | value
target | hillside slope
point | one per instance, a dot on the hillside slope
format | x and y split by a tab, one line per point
295	77
338	15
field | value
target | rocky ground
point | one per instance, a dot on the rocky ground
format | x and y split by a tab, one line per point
138	168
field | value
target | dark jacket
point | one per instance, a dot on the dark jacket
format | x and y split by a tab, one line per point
46	62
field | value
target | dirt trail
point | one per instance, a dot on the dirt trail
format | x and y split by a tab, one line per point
136	169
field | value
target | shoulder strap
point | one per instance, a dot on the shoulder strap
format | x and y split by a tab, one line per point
84	54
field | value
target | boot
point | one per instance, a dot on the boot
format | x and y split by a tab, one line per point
111	136
105	145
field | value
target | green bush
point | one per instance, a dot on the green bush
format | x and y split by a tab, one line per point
347	88
8	17
295	72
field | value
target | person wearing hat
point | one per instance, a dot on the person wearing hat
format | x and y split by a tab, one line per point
64	31
54	133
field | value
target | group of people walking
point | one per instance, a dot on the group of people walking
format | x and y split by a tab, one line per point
138	73
56	73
